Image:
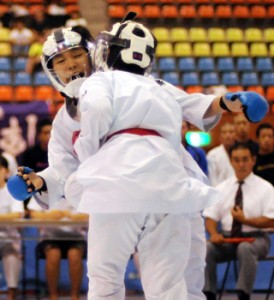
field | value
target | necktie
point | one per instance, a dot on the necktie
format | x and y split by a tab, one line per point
236	225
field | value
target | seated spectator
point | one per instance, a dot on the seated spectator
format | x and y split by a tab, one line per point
56	8
13	166
21	37
19	11
197	153
242	128
74	247
39	21
10	245
246	209
57	14
76	19
219	166
264	166
36	157
35	52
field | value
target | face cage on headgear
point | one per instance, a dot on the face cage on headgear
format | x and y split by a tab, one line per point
107	42
58	43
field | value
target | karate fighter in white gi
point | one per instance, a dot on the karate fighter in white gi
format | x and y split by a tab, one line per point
195	108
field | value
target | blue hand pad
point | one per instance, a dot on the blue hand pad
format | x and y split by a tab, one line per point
18	188
255	106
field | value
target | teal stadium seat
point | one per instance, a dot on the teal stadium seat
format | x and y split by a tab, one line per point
225	64
210	79
189	79
230	78
5	64
5	78
22	78
244	64
249	78
205	64
267	79
263	64
186	64
172	77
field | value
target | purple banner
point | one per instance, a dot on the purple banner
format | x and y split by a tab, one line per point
18	125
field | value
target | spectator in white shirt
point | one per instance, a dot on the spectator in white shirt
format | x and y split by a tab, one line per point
254	215
10	241
219	166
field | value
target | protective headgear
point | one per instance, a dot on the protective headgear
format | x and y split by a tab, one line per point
59	41
129	46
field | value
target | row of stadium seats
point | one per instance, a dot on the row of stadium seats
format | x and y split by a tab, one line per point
33	2
49	94
206	64
29	93
13	64
190	12
22	78
213	34
32	7
214	78
236	49
194	2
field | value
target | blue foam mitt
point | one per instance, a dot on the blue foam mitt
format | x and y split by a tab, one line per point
255	106
18	188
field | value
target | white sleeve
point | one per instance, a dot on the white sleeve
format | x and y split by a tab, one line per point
96	115
214	212
194	107
63	161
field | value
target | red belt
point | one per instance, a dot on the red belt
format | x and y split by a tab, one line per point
137	131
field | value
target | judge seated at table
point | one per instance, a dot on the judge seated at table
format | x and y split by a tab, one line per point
245	211
10	239
61	241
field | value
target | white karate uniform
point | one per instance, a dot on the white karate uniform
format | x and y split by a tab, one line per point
219	166
134	174
63	161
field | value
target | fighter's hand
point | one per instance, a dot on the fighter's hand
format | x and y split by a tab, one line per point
217	238
33	181
238	214
25	184
252	104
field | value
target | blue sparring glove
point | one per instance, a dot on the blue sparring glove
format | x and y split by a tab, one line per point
18	188
255	106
